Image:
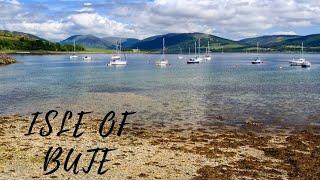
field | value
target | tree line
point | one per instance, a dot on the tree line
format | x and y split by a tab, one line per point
32	45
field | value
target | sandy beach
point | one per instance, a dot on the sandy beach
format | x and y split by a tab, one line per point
166	151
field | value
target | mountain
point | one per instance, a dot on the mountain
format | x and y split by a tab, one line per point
125	42
91	41
23	41
88	41
309	40
267	41
175	41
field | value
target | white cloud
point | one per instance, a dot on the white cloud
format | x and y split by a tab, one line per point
227	18
284	33
93	23
233	18
87	4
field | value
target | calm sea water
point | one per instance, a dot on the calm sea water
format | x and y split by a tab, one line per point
228	86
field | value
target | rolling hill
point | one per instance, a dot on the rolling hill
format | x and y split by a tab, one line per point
11	41
175	41
126	42
91	41
285	42
267	41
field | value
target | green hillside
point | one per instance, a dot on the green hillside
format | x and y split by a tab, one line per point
11	41
285	43
267	41
175	41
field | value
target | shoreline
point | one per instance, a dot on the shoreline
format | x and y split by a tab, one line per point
167	151
98	52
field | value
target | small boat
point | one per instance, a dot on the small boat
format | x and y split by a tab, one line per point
257	60
74	56
300	61
297	62
116	59
180	55
207	57
163	61
306	64
196	59
87	58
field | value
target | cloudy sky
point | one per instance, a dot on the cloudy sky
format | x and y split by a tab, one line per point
235	19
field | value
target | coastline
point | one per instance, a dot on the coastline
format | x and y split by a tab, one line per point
168	151
111	52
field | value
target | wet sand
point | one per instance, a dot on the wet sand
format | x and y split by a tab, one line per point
167	151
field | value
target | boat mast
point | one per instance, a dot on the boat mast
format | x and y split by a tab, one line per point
199	47
189	51
195	48
162	46
120	46
74	46
257	47
302	50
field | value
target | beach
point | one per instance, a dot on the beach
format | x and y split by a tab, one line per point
168	151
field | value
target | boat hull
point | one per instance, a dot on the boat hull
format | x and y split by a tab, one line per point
117	63
193	62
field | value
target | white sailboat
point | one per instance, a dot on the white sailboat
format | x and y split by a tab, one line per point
163	61
257	60
116	58
87	58
74	56
180	55
195	59
201	59
300	61
207	57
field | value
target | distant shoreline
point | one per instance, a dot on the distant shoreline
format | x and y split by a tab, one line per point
97	52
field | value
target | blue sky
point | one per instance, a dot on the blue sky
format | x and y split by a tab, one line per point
235	19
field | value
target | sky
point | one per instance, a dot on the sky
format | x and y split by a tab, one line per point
234	19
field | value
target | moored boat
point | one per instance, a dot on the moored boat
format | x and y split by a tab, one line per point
300	61
74	56
116	59
163	61
87	58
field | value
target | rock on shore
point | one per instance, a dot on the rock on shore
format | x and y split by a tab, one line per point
5	59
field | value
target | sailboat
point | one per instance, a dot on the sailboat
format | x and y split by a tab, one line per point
300	61
207	57
257	60
74	56
163	61
87	58
116	58
180	55
195	59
